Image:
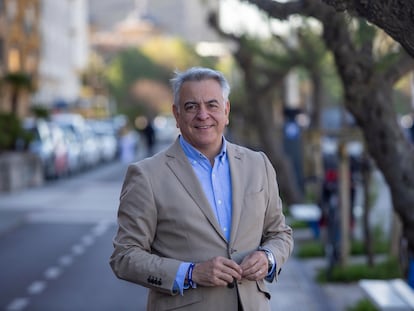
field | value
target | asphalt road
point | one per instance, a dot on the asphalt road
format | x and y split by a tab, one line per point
56	257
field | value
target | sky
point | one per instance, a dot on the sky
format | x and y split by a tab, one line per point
242	17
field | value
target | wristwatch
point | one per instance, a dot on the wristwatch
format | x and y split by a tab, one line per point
270	259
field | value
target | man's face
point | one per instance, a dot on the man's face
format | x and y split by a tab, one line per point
202	115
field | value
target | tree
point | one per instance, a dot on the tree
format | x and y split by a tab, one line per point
264	65
395	17
368	80
126	68
18	82
136	72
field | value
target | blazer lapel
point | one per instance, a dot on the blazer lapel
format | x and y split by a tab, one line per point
235	157
178	163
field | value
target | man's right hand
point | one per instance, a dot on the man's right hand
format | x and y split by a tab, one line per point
218	271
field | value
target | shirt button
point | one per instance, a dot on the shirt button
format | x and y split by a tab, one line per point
219	201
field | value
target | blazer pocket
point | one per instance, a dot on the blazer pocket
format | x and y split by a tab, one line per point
261	286
164	302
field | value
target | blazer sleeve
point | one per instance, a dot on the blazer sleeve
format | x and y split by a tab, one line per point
132	259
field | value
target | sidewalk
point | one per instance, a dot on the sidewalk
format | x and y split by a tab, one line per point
296	289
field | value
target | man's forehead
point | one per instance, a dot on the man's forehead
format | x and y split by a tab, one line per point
197	91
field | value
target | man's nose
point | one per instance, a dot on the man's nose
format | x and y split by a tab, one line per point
202	112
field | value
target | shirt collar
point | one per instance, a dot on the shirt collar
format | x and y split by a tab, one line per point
193	154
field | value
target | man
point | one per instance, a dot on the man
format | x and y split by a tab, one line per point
201	223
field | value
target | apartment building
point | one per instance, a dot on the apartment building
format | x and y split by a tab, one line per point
43	50
19	53
64	51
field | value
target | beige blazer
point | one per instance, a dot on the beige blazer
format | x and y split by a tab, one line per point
165	218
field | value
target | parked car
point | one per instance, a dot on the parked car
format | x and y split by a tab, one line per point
60	148
91	149
107	140
49	145
41	144
165	129
75	161
89	143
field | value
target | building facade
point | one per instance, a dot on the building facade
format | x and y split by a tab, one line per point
43	50
64	51
19	53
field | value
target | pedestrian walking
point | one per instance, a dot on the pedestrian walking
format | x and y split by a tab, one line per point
201	223
128	145
149	134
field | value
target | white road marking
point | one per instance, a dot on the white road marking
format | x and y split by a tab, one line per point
88	240
36	287
78	249
101	228
52	273
65	260
18	304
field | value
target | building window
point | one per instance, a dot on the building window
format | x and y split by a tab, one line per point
11	9
31	63
29	19
13	61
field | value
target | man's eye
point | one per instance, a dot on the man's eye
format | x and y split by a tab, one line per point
190	107
213	105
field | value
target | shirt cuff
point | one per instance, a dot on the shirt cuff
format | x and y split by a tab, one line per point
271	274
180	278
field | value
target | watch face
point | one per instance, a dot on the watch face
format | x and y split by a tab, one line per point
270	260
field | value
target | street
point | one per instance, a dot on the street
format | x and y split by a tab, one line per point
56	257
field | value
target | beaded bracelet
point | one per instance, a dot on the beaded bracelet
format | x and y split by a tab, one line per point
190	275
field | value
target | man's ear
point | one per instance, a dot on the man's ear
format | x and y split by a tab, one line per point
176	113
227	111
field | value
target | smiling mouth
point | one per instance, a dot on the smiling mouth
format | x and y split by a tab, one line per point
204	127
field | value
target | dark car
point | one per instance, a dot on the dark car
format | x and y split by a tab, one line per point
42	144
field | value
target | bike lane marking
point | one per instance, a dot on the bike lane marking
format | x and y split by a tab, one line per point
53	272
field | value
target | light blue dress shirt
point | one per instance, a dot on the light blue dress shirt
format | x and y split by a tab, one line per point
216	183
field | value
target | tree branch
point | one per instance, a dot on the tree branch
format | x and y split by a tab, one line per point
395	17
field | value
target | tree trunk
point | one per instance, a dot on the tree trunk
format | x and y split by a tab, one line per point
14	101
366	183
272	145
392	152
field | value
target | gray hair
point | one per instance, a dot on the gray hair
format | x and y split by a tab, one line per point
198	74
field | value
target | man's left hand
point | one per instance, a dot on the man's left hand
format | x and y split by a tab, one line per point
255	266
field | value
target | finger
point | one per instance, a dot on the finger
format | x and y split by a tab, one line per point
258	275
233	269
231	264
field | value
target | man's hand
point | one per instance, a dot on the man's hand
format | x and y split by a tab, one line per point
255	266
218	271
